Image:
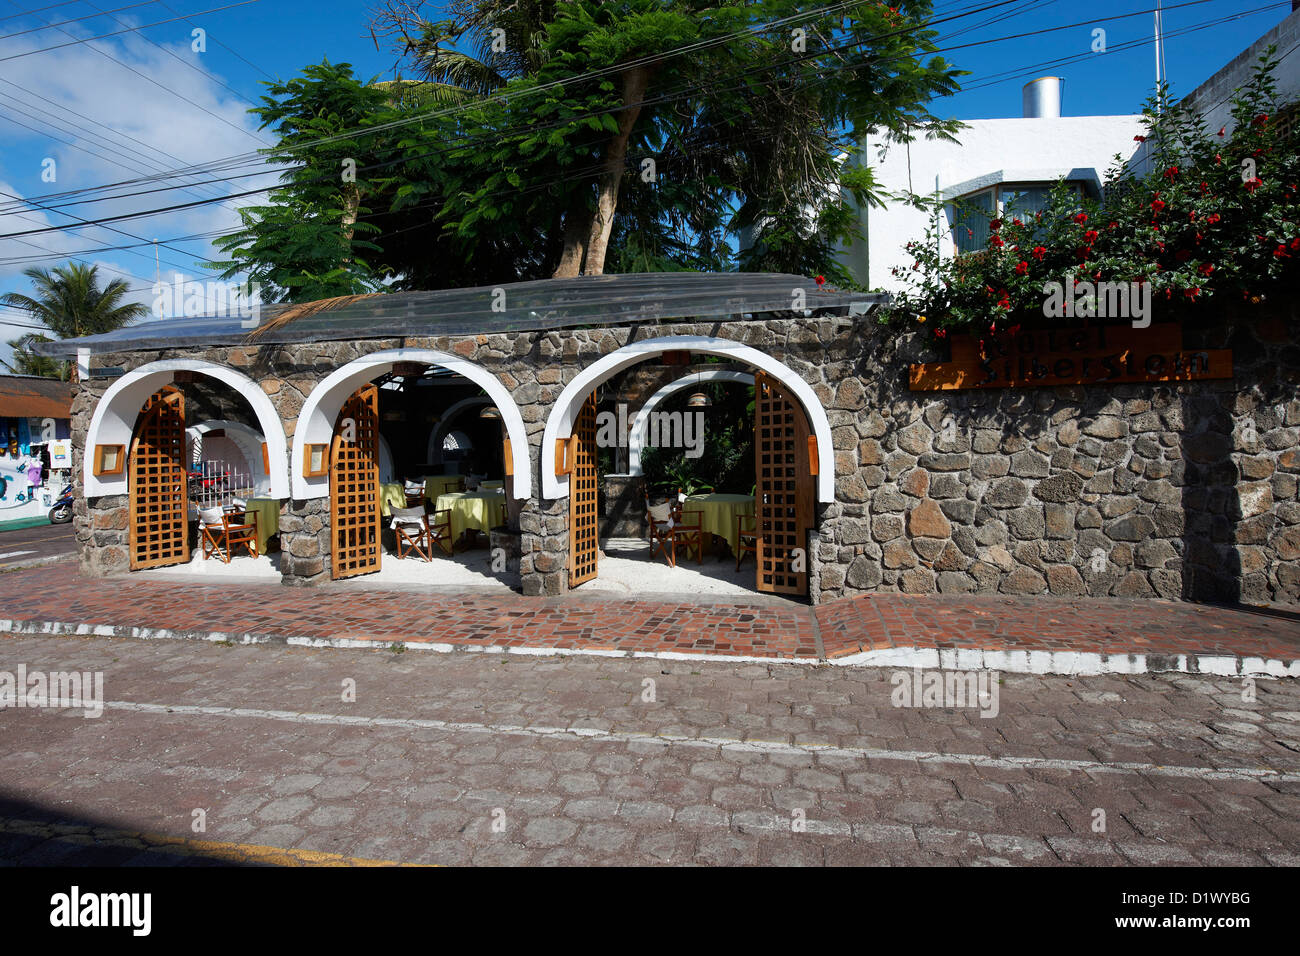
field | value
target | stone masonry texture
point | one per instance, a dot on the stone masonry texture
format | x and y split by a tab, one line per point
1161	491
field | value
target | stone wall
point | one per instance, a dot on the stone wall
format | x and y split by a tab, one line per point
1143	490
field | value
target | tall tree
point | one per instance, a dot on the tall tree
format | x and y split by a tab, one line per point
70	301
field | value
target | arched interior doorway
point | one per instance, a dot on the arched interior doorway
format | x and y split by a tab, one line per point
391	405
136	447
792	459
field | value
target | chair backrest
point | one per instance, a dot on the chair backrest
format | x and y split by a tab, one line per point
212	517
663	512
408	515
236	506
414	488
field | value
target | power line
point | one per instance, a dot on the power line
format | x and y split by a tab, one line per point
60	46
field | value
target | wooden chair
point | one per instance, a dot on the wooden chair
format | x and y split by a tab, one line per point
221	530
746	540
667	528
418	532
414	494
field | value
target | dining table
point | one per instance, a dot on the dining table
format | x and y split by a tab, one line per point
718	514
437	485
392	494
268	519
473	510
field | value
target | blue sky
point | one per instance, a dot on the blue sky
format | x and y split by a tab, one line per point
181	106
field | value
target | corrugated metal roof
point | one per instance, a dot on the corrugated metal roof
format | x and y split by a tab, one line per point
510	307
30	396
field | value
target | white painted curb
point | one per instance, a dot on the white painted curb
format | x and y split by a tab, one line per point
1060	663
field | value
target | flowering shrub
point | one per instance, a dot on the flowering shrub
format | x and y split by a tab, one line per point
1215	216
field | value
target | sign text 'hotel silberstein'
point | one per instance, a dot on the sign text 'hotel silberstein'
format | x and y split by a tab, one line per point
1098	355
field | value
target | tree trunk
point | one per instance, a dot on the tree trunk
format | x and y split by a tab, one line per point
635	82
577	224
351	206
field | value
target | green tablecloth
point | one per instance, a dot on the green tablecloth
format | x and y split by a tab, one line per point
473	509
391	493
268	519
438	485
718	513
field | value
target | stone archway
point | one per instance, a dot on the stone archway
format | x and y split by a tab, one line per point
319	412
560	422
113	422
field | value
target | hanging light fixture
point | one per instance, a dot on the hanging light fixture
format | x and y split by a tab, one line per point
699	399
490	411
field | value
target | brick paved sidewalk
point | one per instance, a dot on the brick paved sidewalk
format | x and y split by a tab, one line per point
1021	633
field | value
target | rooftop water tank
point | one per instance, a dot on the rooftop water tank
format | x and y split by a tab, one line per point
1041	98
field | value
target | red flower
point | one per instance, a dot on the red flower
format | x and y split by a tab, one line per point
1003	303
821	280
995	224
996	242
1091	235
1212	218
1022	267
1280	252
1221	129
1205	269
1139	139
1261	119
1193	292
940	333
1157	204
1205	187
1253	184
1295	243
1039	252
1171	172
1081	218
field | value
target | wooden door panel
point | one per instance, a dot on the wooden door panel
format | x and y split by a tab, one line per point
354	485
583	546
159	519
784	487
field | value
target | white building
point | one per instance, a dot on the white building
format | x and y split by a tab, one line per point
1000	166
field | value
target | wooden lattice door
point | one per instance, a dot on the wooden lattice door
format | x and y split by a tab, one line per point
159	520
354	485
784	489
583	548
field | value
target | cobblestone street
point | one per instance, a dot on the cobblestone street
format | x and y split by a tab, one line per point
507	759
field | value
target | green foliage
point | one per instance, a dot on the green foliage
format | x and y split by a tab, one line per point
727	464
26	362
1197	227
69	301
498	152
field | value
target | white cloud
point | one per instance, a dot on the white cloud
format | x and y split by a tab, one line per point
171	133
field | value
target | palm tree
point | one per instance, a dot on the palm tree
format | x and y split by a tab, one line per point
69	301
26	362
452	76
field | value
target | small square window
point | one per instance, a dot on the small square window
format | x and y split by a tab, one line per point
315	460
110	459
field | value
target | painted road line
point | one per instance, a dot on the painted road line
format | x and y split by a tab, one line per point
919	758
235	853
14	554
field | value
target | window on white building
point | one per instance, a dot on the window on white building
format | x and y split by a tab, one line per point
973	212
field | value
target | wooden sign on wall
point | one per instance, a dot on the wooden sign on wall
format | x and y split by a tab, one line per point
1098	355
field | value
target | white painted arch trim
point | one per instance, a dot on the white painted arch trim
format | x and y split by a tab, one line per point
560	423
319	412
641	424
441	429
114	419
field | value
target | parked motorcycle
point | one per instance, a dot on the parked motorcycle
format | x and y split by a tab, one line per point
61	513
